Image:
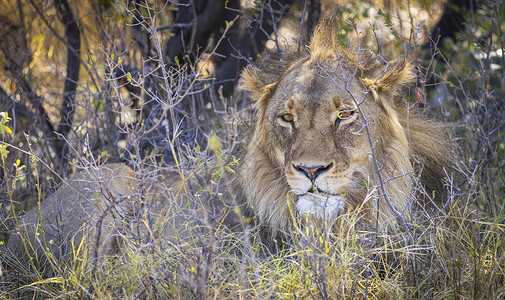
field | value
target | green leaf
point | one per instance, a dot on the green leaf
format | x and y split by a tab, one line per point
3	151
228	23
367	183
214	143
7	129
4	119
96	196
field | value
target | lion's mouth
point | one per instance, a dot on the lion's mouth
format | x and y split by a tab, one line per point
316	190
319	203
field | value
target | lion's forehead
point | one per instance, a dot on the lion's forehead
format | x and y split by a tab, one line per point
311	85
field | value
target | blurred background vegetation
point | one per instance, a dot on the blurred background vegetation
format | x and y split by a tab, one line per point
152	83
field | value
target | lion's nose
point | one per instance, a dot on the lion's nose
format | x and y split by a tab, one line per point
312	171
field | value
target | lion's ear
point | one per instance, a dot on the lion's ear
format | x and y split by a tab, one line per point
393	77
251	81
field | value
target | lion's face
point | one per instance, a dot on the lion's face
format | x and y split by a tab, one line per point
317	133
332	134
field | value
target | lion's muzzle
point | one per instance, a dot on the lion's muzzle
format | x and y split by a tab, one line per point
316	196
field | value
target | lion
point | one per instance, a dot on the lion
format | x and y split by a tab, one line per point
331	133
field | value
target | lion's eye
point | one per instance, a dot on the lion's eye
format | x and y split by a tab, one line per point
345	114
288	118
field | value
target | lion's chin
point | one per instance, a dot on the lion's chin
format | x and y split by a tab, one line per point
320	205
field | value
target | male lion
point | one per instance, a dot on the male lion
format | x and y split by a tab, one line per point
331	127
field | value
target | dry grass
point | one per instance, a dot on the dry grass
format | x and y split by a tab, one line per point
459	257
